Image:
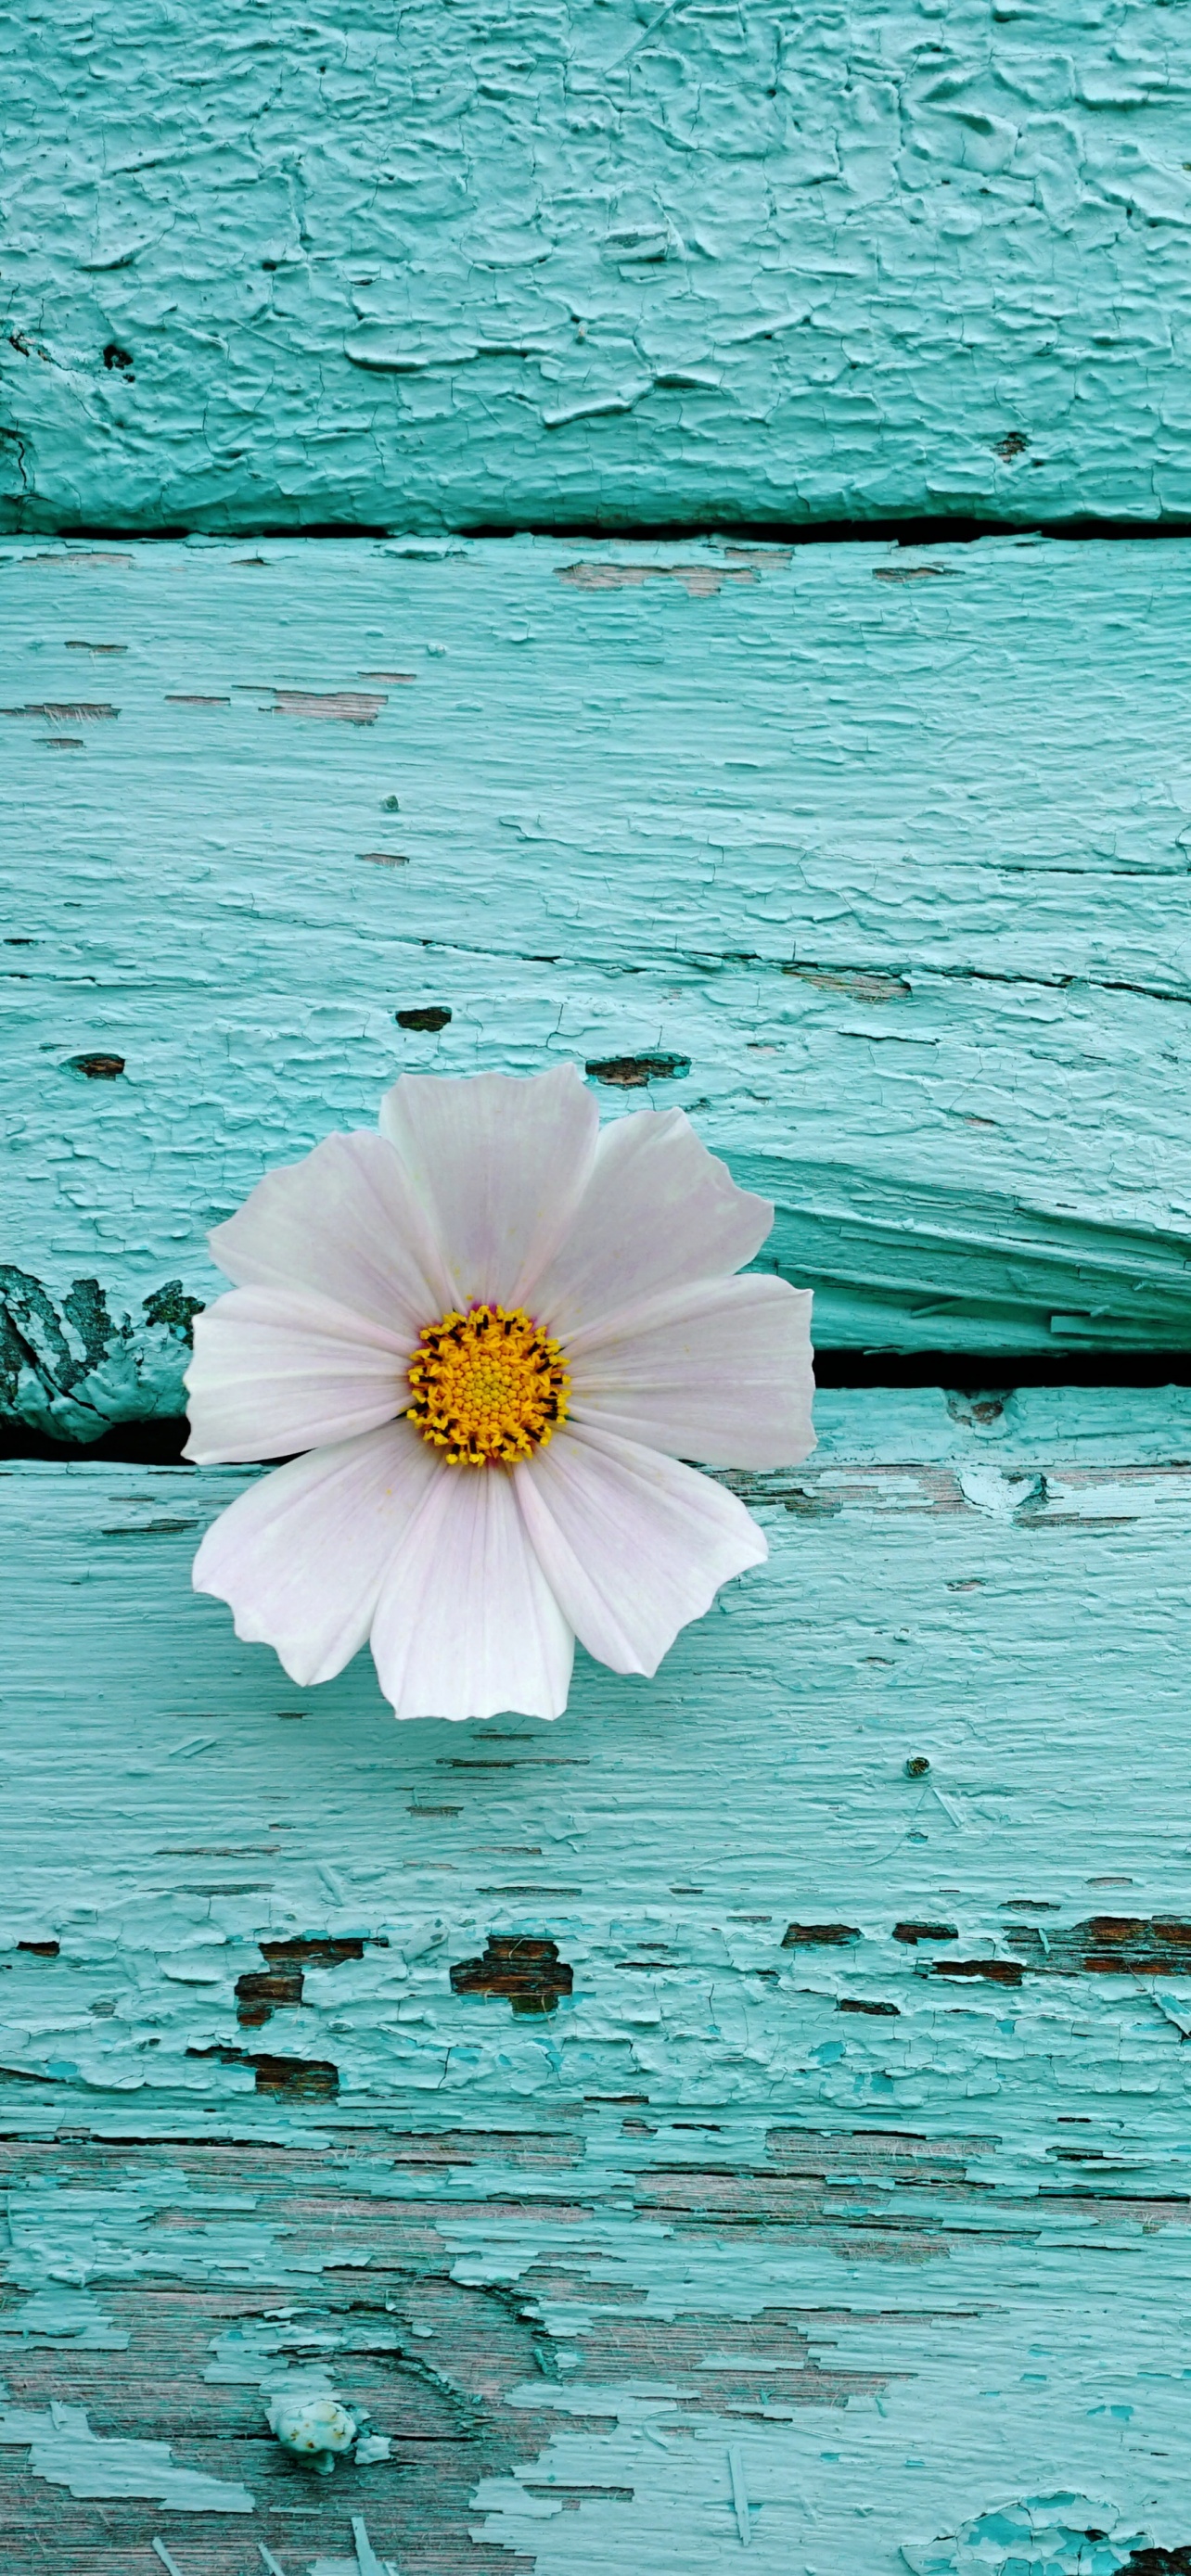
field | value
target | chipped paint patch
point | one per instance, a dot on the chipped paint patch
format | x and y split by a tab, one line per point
63	2317
699	580
336	706
1062	2535
1107	1945
526	1970
65	2451
633	1072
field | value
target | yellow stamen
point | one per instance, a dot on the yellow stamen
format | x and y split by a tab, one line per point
488	1387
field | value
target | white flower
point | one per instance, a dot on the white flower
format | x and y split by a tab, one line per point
495	1331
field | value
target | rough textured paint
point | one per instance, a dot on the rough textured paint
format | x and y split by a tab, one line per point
884	878
765	2218
1062	2535
641	264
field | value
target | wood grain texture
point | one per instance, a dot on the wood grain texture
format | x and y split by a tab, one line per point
857	2147
875	861
632	266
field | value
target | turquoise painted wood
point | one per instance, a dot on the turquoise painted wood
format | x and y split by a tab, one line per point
875	861
633	265
752	2112
838	2202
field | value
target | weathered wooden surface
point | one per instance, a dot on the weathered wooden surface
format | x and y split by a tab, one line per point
753	2111
827	2113
632	265
571	2333
875	861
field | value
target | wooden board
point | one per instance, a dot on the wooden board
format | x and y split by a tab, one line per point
802	2109
661	2126
875	861
630	266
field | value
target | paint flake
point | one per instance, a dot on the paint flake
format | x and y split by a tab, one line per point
65	2451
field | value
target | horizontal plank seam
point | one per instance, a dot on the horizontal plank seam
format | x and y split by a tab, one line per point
160	1443
937	530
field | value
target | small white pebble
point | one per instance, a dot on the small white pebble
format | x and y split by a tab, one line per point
372	2446
313	2428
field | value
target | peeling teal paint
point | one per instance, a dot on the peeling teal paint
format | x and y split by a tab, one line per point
1064	2535
61	2316
66	2451
874	2355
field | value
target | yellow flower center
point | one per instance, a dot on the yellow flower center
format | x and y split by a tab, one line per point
488	1387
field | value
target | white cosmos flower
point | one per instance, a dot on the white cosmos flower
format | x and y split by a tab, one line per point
495	1332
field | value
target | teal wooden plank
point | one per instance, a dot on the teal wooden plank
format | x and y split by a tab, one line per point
989	1590
878	860
896	2217
621	266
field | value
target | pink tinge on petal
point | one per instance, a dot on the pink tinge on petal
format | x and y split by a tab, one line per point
466	1624
659	1212
277	1370
500	1165
633	1545
300	1557
346	1222
721	1373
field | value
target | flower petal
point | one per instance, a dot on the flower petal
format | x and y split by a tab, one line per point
500	1164
632	1544
301	1555
658	1212
277	1370
721	1372
467	1624
346	1222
